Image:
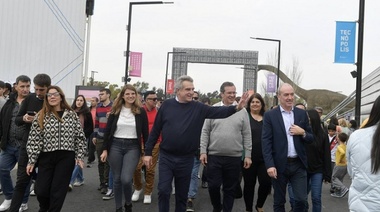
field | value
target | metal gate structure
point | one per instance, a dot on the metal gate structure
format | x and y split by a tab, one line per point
249	59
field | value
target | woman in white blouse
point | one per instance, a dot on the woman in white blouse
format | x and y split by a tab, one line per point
127	130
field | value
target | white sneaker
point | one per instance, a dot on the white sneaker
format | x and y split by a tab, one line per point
78	183
109	195
147	199
5	205
23	207
32	190
136	195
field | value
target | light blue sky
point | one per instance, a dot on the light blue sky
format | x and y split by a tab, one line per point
305	28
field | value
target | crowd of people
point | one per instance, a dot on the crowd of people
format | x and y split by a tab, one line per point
287	148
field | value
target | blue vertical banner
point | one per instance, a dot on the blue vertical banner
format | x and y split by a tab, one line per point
345	42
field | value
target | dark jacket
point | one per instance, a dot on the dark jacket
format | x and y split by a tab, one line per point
319	157
6	119
30	103
275	143
141	128
88	125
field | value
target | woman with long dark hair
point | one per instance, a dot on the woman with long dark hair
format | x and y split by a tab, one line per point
363	164
57	141
127	130
318	160
85	119
256	108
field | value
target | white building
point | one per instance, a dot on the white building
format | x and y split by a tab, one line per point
43	36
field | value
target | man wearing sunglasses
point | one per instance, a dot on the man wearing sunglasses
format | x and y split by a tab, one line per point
150	106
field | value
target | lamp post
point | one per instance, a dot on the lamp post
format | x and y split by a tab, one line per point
359	63
92	77
167	67
278	60
126	79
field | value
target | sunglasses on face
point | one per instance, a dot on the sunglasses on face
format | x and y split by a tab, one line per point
154	99
195	98
56	94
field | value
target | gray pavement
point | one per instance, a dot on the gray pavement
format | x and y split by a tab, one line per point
88	199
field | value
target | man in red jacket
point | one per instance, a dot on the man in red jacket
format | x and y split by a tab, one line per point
150	99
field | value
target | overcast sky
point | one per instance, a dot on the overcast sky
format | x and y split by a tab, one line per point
306	30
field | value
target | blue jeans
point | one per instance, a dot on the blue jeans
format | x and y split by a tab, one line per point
295	173
77	175
193	189
110	180
178	167
8	160
123	157
314	185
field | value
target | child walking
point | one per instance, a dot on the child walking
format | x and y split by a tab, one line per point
340	169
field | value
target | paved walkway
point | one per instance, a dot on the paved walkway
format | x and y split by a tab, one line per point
88	199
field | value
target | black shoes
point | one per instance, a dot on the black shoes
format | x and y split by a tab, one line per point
204	184
190	206
128	208
103	188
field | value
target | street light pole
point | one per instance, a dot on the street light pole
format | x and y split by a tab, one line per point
278	60
126	79
92	77
167	67
359	63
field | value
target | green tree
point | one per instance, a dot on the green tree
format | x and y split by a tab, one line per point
103	84
141	87
213	96
114	88
159	92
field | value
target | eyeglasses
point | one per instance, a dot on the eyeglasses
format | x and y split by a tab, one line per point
154	99
230	93
56	94
195	98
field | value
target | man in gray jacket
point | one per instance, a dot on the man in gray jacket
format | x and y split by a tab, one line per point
223	143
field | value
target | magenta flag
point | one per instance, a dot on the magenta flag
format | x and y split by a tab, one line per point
135	62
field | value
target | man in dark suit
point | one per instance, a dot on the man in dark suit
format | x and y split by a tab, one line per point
285	130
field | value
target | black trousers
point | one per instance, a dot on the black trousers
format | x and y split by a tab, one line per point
103	167
256	171
23	181
223	170
54	174
91	150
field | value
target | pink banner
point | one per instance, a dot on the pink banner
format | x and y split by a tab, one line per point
135	62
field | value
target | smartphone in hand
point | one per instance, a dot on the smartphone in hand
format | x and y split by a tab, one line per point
31	113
